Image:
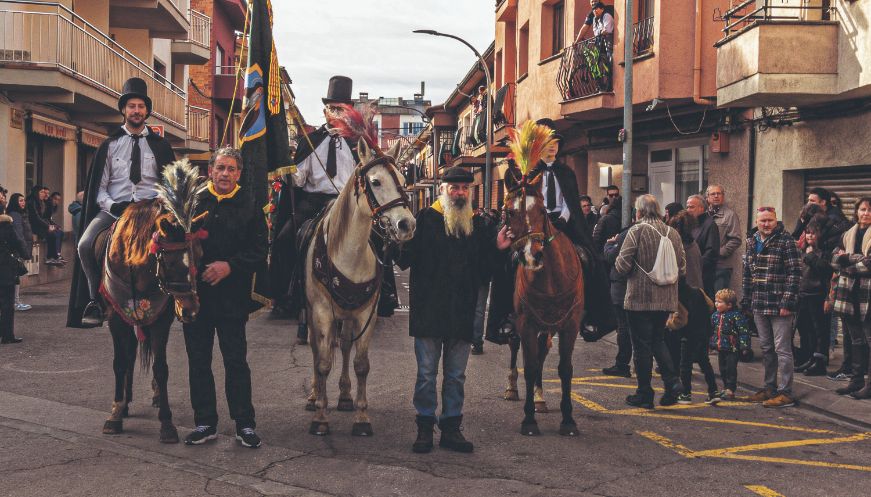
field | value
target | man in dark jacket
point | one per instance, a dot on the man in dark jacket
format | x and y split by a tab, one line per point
609	224
233	251
707	236
126	168
618	295
449	257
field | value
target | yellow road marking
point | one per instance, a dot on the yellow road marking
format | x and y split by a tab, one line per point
763	491
782	445
799	462
667	443
589	404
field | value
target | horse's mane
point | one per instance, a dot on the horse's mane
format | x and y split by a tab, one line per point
132	238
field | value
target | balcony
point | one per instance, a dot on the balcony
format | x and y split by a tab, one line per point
229	86
195	49
506	10
163	18
782	53
503	111
585	79
48	54
199	126
642	37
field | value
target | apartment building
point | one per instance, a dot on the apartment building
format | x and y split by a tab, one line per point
62	68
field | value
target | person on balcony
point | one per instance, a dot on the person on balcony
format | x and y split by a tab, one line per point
603	22
126	168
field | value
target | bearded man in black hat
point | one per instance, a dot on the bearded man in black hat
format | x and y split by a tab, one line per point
126	168
450	255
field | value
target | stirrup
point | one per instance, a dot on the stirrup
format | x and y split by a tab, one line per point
92	316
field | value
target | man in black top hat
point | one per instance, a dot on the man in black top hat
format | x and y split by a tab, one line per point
450	255
126	168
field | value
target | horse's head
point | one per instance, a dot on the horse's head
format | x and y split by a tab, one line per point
527	218
176	241
383	192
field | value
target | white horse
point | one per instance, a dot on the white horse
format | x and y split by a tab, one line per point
343	277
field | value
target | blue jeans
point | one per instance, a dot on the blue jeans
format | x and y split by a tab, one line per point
427	351
775	339
480	310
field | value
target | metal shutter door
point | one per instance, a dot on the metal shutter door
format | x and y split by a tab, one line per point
850	183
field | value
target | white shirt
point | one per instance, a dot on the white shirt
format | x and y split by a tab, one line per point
311	174
561	206
603	25
115	185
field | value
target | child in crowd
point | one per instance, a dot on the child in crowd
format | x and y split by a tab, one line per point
694	339
731	335
813	322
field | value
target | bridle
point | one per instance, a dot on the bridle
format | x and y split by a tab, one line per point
380	222
160	247
524	188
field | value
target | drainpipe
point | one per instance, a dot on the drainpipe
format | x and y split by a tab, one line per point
751	183
697	61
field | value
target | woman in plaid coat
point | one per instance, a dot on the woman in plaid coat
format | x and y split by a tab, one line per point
851	294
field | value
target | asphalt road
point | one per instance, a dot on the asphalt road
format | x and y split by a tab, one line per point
56	391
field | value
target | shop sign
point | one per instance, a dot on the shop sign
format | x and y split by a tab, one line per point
53	129
16	119
91	139
157	130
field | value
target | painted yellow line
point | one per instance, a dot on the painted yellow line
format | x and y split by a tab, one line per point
799	462
763	491
654	414
583	379
782	445
668	444
589	404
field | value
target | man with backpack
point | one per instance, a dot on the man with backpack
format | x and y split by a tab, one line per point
652	257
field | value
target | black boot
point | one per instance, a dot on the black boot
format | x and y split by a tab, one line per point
423	444
864	392
806	365
818	368
452	438
860	367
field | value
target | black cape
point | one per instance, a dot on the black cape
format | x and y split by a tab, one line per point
163	155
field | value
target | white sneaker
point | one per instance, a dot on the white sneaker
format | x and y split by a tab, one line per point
23	307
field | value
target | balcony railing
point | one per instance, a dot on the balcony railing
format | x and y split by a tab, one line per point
49	35
585	68
503	106
201	28
199	123
743	13
642	37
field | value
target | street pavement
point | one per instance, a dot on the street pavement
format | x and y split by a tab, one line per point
56	391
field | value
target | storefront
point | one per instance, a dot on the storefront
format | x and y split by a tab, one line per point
44	152
89	142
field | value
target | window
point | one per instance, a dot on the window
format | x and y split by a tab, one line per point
558	30
523	51
219	58
412	128
691	172
159	71
645	9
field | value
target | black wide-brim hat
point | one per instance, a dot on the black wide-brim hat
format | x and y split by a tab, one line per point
339	91
134	88
457	174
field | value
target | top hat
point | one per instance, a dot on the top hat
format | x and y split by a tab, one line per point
134	88
457	174
339	91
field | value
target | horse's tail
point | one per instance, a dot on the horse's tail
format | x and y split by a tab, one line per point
146	355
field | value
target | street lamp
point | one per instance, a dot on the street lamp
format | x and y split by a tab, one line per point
487	159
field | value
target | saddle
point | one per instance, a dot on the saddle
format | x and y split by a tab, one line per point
304	237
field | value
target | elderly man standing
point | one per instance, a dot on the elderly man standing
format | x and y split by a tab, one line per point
649	303
772	273
449	257
730	235
707	236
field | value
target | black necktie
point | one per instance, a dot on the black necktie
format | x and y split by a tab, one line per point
551	190
136	161
331	157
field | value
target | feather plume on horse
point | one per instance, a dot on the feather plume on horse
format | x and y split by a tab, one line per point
348	122
177	191
528	143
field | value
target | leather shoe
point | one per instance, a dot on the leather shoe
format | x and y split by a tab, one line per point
11	340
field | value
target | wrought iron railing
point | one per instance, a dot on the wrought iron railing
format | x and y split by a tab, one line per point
503	106
49	35
586	68
743	13
201	28
642	37
199	123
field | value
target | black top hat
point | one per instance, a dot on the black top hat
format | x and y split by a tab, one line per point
134	88
457	174
339	91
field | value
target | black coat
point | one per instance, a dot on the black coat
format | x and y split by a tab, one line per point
609	225
446	274
618	281
163	155
698	313
10	245
237	235
577	228
835	226
707	236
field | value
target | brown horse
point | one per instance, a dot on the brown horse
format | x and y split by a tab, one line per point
548	295
151	261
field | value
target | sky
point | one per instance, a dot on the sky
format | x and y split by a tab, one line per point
371	41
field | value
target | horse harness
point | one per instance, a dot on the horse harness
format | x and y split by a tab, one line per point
544	237
161	246
361	183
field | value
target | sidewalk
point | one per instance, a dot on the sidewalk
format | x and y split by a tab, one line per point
815	393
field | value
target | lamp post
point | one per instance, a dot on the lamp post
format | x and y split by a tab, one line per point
487	159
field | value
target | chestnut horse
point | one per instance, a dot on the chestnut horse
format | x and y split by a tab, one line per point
149	275
548	295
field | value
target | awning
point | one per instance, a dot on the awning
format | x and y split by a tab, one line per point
91	139
53	129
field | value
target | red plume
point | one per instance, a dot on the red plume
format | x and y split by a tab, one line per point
352	124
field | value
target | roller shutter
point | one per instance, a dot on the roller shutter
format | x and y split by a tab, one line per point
850	183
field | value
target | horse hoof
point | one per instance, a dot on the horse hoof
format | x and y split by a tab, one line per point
511	395
345	405
126	412
362	430
529	429
310	406
541	407
319	429
111	427
568	430
168	434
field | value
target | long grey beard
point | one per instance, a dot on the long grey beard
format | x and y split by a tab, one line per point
458	220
